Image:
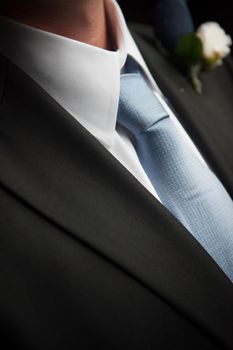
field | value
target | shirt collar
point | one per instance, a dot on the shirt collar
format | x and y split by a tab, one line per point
84	79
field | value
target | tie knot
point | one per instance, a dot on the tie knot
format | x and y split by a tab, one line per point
139	108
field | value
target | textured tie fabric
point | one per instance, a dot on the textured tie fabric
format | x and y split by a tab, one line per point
186	186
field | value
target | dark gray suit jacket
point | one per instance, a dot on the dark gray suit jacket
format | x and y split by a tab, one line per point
88	258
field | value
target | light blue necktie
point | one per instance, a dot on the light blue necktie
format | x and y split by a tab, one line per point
186	186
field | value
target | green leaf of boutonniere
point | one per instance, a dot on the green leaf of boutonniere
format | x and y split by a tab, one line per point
189	52
189	49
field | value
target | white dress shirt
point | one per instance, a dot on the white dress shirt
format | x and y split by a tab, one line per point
85	80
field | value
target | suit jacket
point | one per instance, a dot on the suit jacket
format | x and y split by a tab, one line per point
89	259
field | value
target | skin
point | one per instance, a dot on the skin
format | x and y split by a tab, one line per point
82	20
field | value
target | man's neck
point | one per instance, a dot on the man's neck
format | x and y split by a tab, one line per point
82	20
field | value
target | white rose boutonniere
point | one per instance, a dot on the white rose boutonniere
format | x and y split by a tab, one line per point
216	43
203	50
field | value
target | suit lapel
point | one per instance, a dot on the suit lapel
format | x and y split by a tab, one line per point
57	168
207	118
